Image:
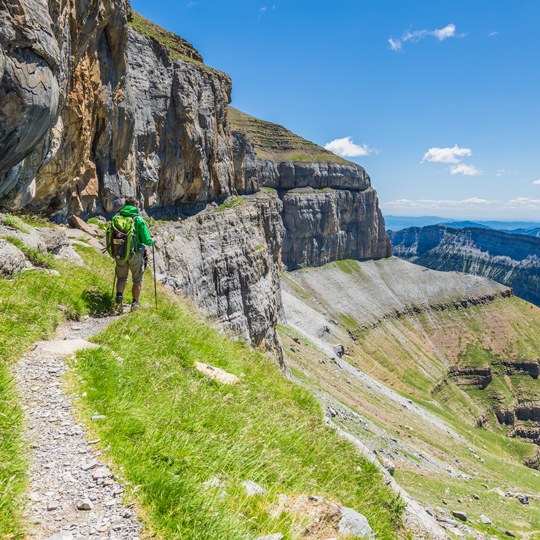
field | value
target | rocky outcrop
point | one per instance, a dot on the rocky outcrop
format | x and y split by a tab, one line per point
12	259
330	210
113	115
321	227
221	260
471	377
510	259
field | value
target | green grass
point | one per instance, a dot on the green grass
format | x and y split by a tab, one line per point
274	142
171	429
232	203
14	221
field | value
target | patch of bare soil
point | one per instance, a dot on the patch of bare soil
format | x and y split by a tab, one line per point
319	517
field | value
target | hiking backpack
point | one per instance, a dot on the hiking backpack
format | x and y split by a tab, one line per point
121	237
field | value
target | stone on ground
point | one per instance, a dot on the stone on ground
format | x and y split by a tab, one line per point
389	466
459	514
12	259
77	223
354	523
62	535
252	488
217	374
485	520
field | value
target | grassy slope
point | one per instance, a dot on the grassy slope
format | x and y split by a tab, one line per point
169	428
404	353
274	142
178	47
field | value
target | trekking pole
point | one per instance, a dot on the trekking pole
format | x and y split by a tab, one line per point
154	262
113	284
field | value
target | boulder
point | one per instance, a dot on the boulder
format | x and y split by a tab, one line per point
12	259
354	523
522	498
459	515
485	520
389	466
77	223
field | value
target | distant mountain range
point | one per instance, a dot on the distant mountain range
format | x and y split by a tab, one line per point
509	258
397	223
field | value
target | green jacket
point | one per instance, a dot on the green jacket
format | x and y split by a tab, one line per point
143	234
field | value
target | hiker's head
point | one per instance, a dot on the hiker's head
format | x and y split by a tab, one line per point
132	201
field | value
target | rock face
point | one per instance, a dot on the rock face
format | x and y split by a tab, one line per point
331	225
220	259
510	259
330	211
98	104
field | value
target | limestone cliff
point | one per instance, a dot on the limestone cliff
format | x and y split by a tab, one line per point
221	260
510	259
330	211
98	103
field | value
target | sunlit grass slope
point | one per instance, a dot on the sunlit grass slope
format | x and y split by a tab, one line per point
172	429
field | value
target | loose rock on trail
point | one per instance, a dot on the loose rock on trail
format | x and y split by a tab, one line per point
72	493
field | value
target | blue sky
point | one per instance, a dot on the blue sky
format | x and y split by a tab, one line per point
447	112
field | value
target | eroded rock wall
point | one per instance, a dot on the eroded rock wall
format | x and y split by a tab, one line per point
221	260
329	210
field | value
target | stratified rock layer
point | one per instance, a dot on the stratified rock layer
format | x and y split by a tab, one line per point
221	260
510	259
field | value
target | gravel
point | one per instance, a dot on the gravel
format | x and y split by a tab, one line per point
72	492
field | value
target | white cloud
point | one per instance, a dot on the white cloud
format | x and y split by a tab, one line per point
417	35
493	33
446	155
446	32
536	182
466	170
518	204
395	44
346	148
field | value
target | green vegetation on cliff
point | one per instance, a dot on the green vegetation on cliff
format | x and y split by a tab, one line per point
274	142
179	48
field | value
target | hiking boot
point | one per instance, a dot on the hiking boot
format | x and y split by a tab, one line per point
135	306
119	308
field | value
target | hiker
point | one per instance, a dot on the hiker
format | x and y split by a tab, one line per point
134	256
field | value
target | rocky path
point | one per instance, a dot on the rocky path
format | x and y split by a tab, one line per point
72	492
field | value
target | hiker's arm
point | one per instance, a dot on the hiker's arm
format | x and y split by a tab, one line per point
144	233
